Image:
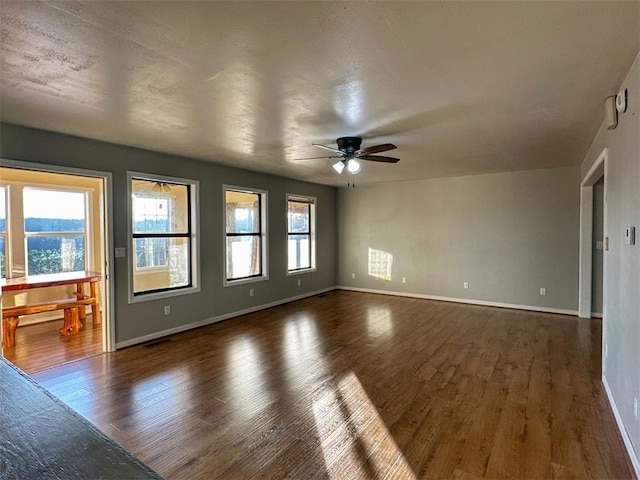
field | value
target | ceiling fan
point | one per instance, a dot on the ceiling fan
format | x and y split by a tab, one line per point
349	152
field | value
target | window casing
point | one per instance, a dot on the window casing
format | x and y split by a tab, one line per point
3	232
44	229
245	235
163	237
301	234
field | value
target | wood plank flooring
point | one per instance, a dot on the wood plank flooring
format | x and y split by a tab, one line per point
351	385
40	346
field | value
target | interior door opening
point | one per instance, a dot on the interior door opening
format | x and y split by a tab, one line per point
54	265
597	273
593	260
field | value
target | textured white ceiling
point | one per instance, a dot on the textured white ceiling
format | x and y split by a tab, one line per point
460	87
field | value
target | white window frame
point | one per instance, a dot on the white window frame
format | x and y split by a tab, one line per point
264	199
5	234
16	238
88	241
313	203
194	212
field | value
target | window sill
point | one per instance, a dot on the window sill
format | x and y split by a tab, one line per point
243	281
301	271
147	297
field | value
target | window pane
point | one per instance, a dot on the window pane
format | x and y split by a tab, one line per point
299	249
53	211
299	216
160	207
243	256
3	253
176	258
3	211
243	212
55	254
151	252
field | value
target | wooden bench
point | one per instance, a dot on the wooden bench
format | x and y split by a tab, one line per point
72	312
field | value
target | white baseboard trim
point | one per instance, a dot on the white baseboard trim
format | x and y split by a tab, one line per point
463	300
596	315
623	431
219	318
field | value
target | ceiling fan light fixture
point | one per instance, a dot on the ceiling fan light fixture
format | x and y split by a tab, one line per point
161	187
353	166
338	166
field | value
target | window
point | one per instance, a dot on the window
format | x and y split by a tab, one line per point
55	230
163	240
152	216
301	233
245	239
3	232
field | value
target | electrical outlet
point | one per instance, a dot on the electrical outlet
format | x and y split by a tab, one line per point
120	252
465	285
167	309
543	291
353	275
404	279
606	351
299	282
251	292
635	407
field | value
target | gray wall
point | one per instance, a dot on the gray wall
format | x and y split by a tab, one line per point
507	234
621	326
147	318
598	235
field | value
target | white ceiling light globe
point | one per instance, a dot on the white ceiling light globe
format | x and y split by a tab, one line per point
353	166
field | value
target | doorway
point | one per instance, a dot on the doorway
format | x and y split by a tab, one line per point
598	249
54	222
589	245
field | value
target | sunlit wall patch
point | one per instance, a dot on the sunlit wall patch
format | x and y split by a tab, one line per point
380	264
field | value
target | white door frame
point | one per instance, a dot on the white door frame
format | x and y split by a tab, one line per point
109	329
597	170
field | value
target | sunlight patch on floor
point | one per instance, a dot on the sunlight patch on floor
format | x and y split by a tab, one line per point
379	321
354	439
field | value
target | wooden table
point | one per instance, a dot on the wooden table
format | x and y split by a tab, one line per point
74	308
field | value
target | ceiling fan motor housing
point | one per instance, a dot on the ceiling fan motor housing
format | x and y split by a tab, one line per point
349	145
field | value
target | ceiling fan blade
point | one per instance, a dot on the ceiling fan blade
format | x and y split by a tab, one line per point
335	150
376	149
378	158
317	158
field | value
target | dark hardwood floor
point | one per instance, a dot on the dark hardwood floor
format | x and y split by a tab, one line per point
351	385
40	346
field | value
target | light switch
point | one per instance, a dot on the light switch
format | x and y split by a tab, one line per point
630	235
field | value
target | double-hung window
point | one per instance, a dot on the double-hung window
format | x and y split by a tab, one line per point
44	229
245	234
301	245
163	241
55	230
